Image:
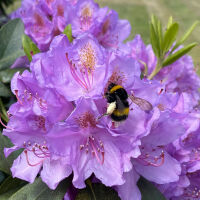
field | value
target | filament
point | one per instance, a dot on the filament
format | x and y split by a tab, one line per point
96	154
74	74
16	94
1	122
30	164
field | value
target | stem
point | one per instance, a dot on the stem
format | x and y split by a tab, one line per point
156	69
89	183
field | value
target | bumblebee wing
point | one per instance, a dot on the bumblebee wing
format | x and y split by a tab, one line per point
120	104
143	104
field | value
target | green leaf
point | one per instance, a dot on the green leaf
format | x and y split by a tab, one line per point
2	177
156	35
7	74
170	21
186	35
100	192
11	44
4	90
39	190
170	37
10	186
154	41
149	191
68	32
160	34
172	58
30	48
6	163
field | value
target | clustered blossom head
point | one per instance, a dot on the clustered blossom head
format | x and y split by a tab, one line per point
59	118
45	19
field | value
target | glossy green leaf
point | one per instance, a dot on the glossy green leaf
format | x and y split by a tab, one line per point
149	191
172	58
169	37
6	163
7	74
99	192
11	43
2	177
4	91
30	48
11	183
186	35
39	190
10	186
68	32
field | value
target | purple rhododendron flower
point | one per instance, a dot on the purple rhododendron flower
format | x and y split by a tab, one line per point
94	149
80	70
113	31
87	17
31	118
44	19
61	118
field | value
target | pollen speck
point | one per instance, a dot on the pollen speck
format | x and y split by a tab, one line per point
86	12
88	57
38	19
86	120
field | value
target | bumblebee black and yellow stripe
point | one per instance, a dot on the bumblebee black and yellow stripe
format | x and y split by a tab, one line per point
117	94
119	113
115	88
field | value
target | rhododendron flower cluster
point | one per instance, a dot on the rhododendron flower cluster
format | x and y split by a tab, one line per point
58	119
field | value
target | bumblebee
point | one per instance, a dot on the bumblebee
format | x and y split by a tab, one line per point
118	105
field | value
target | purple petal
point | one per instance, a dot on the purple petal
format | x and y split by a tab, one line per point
54	171
129	190
21	169
168	172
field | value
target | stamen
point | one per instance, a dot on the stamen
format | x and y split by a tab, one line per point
149	160
101	161
86	120
95	147
38	150
1	122
30	164
16	94
87	76
72	69
87	57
